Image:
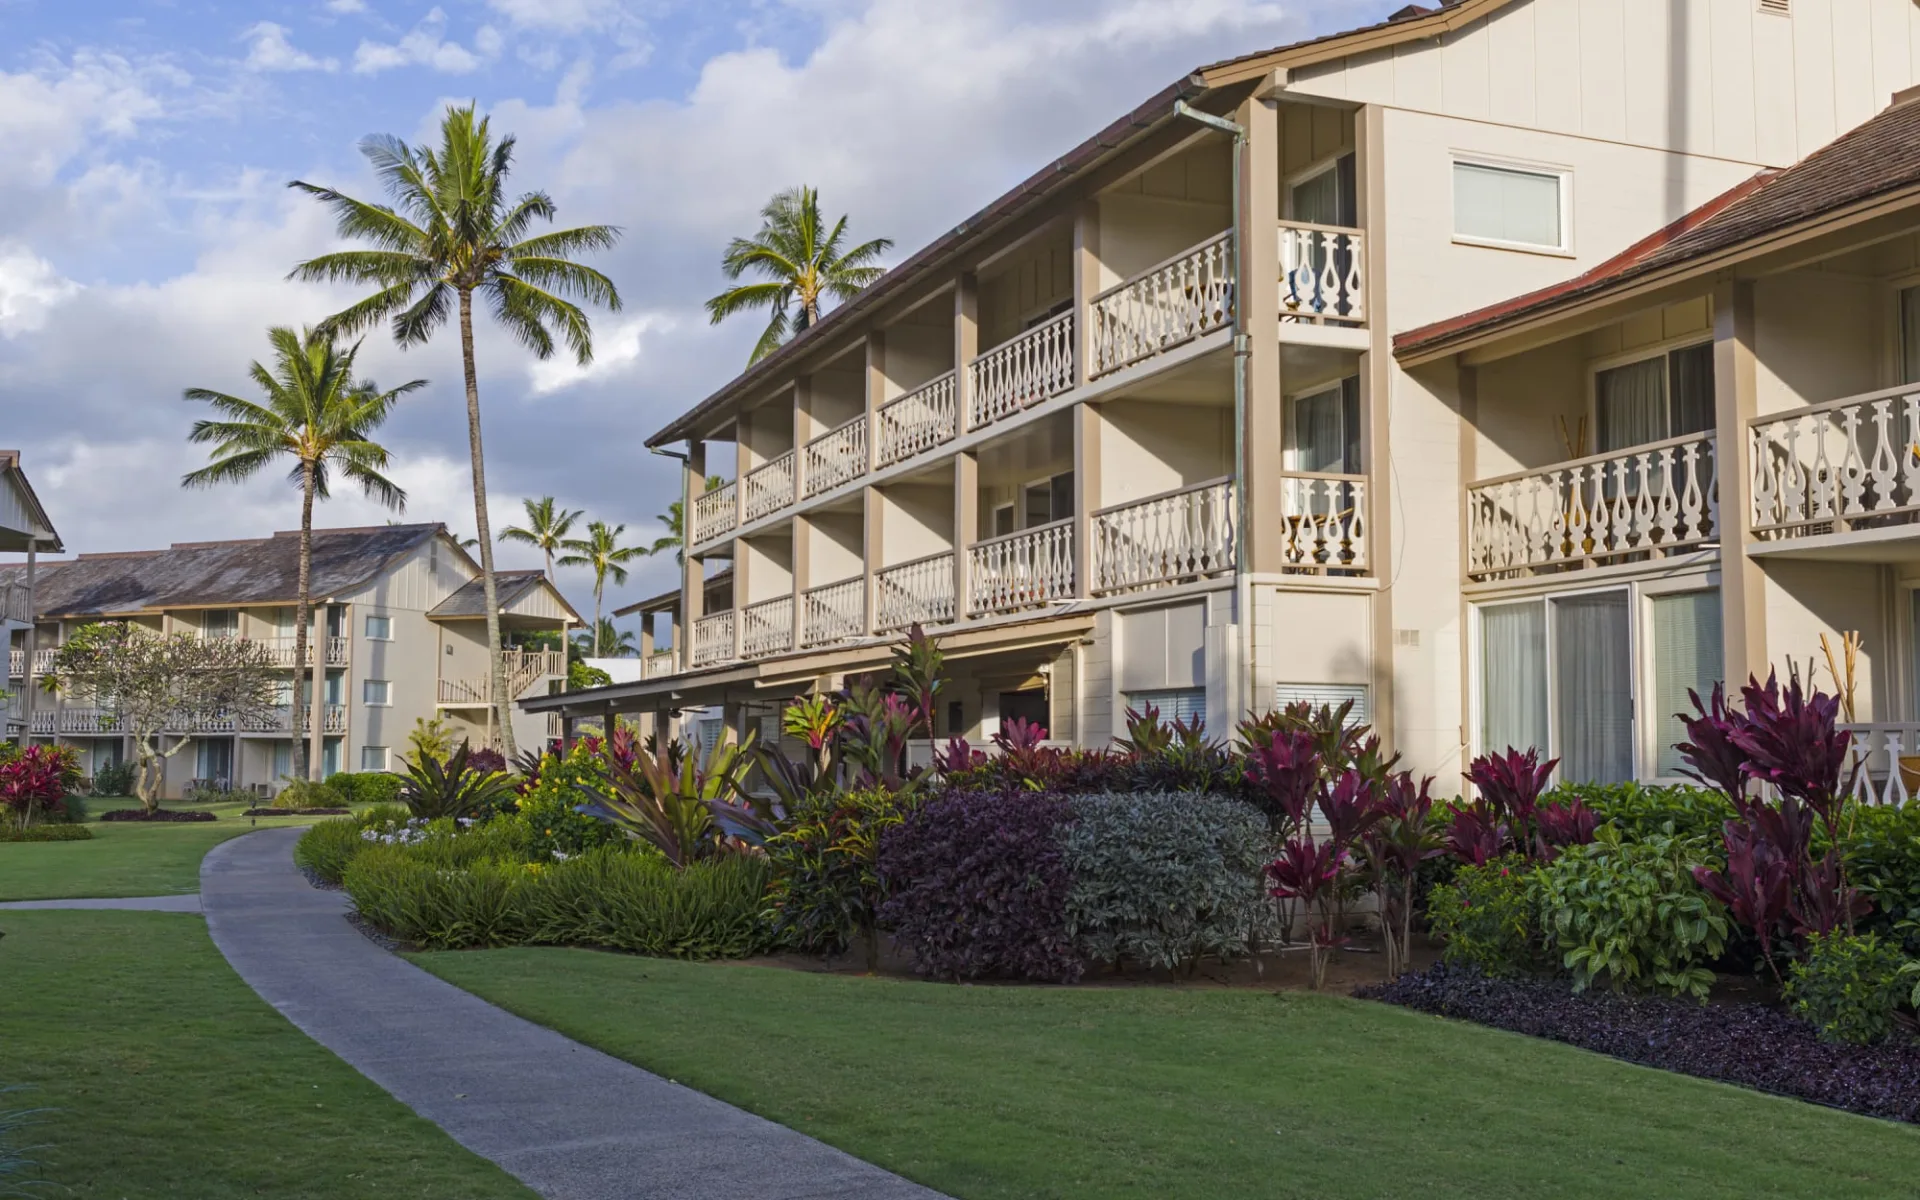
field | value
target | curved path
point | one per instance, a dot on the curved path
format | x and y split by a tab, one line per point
569	1121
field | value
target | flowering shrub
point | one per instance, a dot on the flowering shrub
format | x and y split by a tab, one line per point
548	806
34	782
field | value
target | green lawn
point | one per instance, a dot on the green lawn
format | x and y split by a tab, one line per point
997	1093
123	858
170	1078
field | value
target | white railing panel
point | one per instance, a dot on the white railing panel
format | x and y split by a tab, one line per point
1322	274
770	487
767	628
1833	467
660	663
1889	758
1652	499
1027	569
1021	372
835	612
713	638
917	421
917	591
1323	522
1164	306
714	513
1182	534
837	456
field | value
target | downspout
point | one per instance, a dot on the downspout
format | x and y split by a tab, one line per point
1242	355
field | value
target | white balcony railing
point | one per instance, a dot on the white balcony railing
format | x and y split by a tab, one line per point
918	591
525	670
1028	569
834	612
767	627
1183	534
42	662
16	603
1323	522
78	719
1829	468
1650	500
917	421
282	648
837	456
659	663
713	638
1164	306
714	513
1322	274
1889	757
1021	371
770	487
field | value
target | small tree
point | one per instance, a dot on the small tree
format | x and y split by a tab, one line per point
162	685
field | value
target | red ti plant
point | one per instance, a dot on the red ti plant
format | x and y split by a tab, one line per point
1512	782
1027	762
1395	844
1710	752
1558	825
1285	774
957	757
1475	833
1793	741
1308	873
1756	887
36	781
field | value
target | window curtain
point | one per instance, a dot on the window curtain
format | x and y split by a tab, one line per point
1593	688
1326	429
1690	385
1631	405
1513	676
1687	654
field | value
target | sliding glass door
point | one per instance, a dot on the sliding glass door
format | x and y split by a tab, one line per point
1556	675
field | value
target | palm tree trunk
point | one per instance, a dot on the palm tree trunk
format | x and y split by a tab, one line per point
502	702
599	586
303	767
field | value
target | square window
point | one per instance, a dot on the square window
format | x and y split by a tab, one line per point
373	758
380	629
1509	206
376	691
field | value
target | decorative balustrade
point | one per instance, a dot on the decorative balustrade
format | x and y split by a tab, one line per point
83	720
917	591
917	421
834	612
333	719
16	603
660	663
1322	274
1888	754
1647	500
714	513
713	638
1174	302
281	649
1829	468
837	456
770	487
1323	522
1021	372
1020	570
42	662
525	668
767	627
1186	533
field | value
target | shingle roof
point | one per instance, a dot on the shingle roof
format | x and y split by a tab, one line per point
470	600
194	574
1875	159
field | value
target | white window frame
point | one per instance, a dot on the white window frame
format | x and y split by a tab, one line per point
1308	175
366	627
386	758
386	685
1563	174
1290	433
1662	350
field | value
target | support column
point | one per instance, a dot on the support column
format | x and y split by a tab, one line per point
876	392
693	484
1376	392
31	645
741	557
316	703
871	536
742	467
1743	590
1087	423
802	575
803	432
1259	294
966	345
1086	285
966	527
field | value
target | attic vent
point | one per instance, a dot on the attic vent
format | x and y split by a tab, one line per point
1333	694
1779	8
1406	637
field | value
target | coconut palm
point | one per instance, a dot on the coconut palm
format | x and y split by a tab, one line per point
601	551
454	234
803	266
675	520
547	527
606	641
316	414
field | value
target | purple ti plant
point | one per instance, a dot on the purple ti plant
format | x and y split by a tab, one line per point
1395	845
1309	873
1559	825
1285	774
1512	782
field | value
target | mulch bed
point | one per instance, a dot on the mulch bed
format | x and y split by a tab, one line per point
296	812
1752	1045
160	814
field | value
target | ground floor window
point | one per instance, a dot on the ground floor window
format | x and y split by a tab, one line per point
1174	704
1688	655
329	757
373	758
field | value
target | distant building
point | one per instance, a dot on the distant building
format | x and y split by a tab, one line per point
24	529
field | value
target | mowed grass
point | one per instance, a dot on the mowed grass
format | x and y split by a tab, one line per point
169	1077
998	1093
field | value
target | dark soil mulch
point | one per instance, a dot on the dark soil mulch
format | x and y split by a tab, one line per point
158	814
373	934
296	812
1752	1045
314	880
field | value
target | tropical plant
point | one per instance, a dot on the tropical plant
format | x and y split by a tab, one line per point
454	788
669	802
430	737
601	552
919	666
1394	848
452	234
1487	919
817	721
317	415
1849	987
547	527
826	892
35	782
802	264
1629	914
605	641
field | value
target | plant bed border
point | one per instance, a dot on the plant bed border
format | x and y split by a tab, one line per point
157	815
1746	1044
296	812
46	832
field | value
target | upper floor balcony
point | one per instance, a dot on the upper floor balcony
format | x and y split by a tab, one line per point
16	603
526	669
82	720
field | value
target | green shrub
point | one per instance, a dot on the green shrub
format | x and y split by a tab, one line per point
116	780
546	808
1165	878
1849	987
366	787
640	903
1486	916
301	794
60	832
1629	914
479	904
1882	850
1638	810
72	811
826	884
328	847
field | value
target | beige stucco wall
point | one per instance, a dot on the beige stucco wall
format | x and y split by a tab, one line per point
918	521
1147	448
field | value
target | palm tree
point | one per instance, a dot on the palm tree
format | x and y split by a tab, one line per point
547	527
606	641
316	414
675	519
452	234
601	550
802	263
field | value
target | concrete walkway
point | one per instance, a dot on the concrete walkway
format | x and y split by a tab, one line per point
174	904
569	1121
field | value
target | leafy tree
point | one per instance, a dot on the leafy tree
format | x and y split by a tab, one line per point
158	685
547	527
317	415
802	265
429	738
453	234
601	552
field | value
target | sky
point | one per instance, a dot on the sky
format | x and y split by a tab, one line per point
146	229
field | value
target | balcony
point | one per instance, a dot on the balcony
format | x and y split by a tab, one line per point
714	513
1324	523
525	670
1846	466
1021	372
767	627
1322	274
1028	569
1641	502
769	488
1178	535
42	662
834	612
918	421
836	457
282	650
713	639
1186	297
16	603
659	663
919	591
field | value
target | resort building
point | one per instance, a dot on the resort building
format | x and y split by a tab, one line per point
399	625
1191	417
24	529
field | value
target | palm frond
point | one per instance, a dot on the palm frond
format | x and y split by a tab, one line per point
528	312
568	279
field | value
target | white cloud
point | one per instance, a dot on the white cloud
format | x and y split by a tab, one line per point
618	347
269	50
29	289
566	16
346	6
426	46
58	110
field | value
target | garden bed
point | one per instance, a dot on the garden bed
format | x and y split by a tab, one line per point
45	833
296	812
1752	1045
158	814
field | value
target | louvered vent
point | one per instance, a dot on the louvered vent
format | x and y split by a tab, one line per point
1779	8
1333	694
